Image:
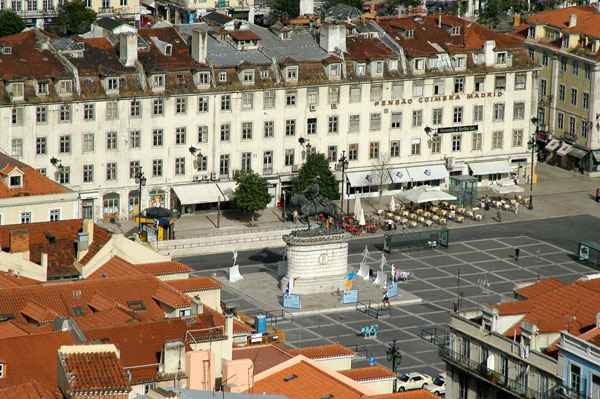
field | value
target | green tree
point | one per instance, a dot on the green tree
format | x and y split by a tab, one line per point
285	9
73	18
354	3
252	192
490	15
10	23
316	164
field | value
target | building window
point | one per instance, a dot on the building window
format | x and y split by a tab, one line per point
543	87
65	113
40	145
88	173
476	141
88	112
289	157
333	125
247	101
458	114
158	107
437	116
246	130
157	137
134	166
517	138
571	126
585	101
354	124
376	92
333	95
498	111
112	110
290	127
353	152
575	68
563	64
248	77
158	81
64	175
312	96
180	166
355	94
520	81
87	142
375	123
544	59
396	120
584	129
374	150
395	148
157	167
573	97
17	116
222	77
587	72
497	140
334	70
478	113
111	140
134	139
202	104
501	58
16	148
311	126
111	171
269	129
500	83
418	88
224	165
575	377
518	111
417	118
65	87
269	99
415	147
332	153
397	90
560	120
459	85
291	73
135	108
42	88
360	69
64	145
41	114
225	132
436	145
479	85
456	142
25	217
290	98
203	134
531	53
561	92
225	102
246	161
180	135
180	105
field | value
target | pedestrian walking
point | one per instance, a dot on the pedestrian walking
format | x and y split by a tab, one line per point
517	253
598	194
516	207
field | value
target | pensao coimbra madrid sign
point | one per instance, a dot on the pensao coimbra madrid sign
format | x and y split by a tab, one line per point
433	99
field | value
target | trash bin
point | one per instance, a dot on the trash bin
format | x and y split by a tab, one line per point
290	216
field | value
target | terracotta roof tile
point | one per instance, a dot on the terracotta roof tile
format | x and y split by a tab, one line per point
10	280
242	35
116	316
540	288
28	390
195	284
365	49
559	18
34	183
163	268
12	329
99	302
322	351
101	237
100	58
115	267
369	373
171	297
154	60
94	373
263	356
38	313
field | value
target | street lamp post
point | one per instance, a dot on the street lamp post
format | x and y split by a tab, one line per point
531	144
343	161
141	180
395	356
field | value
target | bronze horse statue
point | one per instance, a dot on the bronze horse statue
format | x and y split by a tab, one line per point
307	208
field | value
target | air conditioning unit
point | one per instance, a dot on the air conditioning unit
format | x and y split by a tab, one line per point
213	176
313	107
334	106
295	168
206	177
197	177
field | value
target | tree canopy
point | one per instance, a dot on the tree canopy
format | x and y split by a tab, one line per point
74	18
252	192
316	164
285	9
10	23
490	15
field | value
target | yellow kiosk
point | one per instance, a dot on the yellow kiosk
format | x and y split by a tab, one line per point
157	224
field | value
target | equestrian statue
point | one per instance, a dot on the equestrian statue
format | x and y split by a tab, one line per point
312	203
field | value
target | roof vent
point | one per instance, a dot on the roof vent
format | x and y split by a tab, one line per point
51	238
290	377
328	396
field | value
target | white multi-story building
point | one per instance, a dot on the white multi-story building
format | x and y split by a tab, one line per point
421	99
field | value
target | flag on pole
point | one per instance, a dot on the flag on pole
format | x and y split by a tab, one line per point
290	285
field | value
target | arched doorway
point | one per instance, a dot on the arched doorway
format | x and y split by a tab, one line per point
157	198
110	207
134	202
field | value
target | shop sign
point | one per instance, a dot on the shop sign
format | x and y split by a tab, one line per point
433	99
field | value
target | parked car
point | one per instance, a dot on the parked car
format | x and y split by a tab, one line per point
438	386
410	381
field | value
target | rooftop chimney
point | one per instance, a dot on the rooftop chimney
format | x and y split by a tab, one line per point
128	49
197	307
19	241
199	45
332	36
307	7
573	20
488	52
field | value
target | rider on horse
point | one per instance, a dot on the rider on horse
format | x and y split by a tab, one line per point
313	191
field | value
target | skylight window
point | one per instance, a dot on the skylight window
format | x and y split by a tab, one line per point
290	377
136	306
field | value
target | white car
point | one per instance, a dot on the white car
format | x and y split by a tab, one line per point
410	381
438	386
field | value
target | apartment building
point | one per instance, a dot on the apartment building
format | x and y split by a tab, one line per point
186	106
565	42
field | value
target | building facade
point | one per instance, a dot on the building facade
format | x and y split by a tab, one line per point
409	100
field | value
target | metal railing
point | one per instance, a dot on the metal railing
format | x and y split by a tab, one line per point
226	233
376	311
436	336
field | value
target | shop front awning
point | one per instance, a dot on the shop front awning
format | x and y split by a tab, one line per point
368	178
577	153
552	145
197	193
564	149
227	189
399	175
426	173
486	168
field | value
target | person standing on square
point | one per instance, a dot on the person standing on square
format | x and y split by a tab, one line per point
517	253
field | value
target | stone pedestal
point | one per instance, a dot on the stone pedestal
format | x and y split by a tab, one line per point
319	261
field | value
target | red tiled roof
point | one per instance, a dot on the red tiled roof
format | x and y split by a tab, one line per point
369	373
322	351
310	382
115	267
263	356
32	356
154	60
116	316
242	35
10	280
162	268
28	390
27	60
38	313
99	302
587	19
92	373
540	288
34	183
100	58
364	49
101	237
171	297
11	329
195	284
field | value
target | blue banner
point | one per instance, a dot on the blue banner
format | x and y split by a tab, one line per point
291	301
392	290
350	296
